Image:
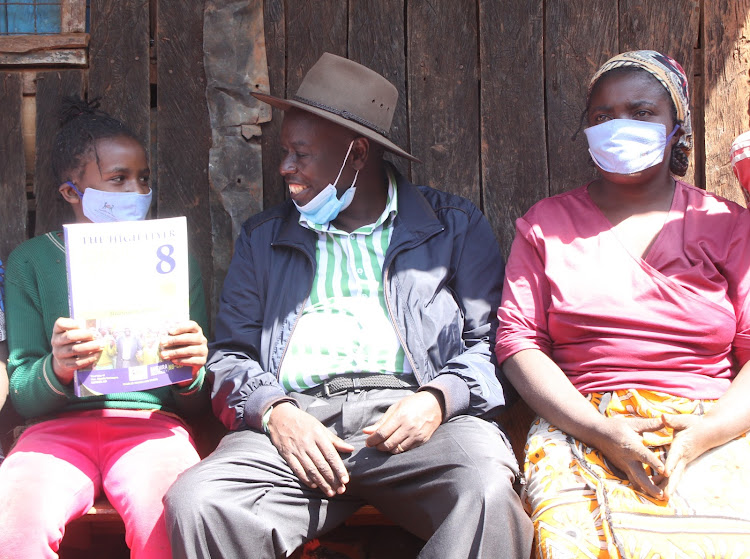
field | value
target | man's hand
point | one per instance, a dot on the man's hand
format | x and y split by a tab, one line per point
185	346
73	348
408	423
623	446
310	449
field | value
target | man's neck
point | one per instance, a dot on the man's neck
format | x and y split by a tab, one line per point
369	201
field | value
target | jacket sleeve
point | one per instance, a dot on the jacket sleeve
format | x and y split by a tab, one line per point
471	381
34	388
193	399
242	390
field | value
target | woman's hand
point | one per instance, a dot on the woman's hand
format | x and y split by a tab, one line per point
73	348
185	346
691	440
622	444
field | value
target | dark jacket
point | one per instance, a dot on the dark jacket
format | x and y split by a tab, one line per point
442	278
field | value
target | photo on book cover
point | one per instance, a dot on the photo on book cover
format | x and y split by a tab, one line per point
141	290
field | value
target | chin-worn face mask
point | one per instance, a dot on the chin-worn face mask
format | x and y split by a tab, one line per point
624	146
326	205
103	207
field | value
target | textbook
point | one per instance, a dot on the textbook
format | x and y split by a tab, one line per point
128	283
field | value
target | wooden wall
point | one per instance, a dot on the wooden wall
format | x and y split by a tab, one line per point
491	93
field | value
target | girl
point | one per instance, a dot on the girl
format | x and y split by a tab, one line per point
131	445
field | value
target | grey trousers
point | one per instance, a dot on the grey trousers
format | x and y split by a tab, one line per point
455	491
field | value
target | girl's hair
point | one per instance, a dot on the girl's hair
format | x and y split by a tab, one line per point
678	162
83	124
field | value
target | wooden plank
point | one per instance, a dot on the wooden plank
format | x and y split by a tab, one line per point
378	43
12	165
51	210
312	28
183	128
726	50
119	65
444	95
642	26
54	57
73	16
21	44
514	154
580	36
274	22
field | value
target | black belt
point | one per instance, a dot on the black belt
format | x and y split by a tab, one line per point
344	383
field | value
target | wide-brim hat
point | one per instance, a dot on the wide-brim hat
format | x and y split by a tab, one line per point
348	94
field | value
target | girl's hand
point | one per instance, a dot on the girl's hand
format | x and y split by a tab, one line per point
185	346
73	348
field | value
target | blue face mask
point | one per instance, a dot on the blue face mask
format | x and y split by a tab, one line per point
103	207
326	205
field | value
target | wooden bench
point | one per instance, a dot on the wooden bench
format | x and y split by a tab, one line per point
102	518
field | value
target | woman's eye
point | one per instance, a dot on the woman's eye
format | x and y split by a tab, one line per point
642	114
600	118
117	179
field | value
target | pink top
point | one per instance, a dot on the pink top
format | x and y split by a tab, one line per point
677	321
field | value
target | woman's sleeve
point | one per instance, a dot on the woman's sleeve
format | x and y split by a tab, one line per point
736	269
526	296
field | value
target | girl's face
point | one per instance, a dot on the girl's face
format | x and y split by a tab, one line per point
116	165
638	96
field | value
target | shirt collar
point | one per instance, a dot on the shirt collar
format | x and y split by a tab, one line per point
386	218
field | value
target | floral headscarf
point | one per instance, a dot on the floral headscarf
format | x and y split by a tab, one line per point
669	73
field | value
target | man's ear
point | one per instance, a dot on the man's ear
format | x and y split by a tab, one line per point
69	194
360	152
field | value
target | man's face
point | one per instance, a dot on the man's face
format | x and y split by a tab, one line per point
313	150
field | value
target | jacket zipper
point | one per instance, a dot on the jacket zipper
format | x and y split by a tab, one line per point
395	327
296	320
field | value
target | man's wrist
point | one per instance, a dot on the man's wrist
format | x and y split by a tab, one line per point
265	419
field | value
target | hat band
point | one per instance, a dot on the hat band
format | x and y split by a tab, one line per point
343	114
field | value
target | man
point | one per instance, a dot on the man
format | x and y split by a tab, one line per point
127	350
352	355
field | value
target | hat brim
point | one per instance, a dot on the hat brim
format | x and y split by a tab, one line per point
286	104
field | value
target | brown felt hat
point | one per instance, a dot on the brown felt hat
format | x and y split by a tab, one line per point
348	94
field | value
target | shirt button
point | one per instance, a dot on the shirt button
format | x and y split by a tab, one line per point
352	236
360	271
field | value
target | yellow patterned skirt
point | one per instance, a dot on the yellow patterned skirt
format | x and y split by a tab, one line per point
580	508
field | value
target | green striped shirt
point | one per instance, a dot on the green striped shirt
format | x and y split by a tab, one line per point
345	327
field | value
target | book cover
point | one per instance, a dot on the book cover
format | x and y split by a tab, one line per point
128	282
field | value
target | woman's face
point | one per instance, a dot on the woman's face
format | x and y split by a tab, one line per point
638	96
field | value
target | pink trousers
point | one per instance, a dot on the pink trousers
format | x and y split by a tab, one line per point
59	467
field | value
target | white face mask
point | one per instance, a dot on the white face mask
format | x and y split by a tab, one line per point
103	207
326	205
624	146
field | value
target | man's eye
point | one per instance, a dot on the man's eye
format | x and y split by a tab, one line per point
117	178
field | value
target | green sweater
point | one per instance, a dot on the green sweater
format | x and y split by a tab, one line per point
36	295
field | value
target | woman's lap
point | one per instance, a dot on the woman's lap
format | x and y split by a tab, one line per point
580	508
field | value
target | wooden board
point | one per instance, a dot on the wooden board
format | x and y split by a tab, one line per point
642	27
378	43
274	190
51	210
580	36
444	95
73	16
12	166
312	28
726	51
514	155
119	62
183	129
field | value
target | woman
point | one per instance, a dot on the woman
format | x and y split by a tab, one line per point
624	325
